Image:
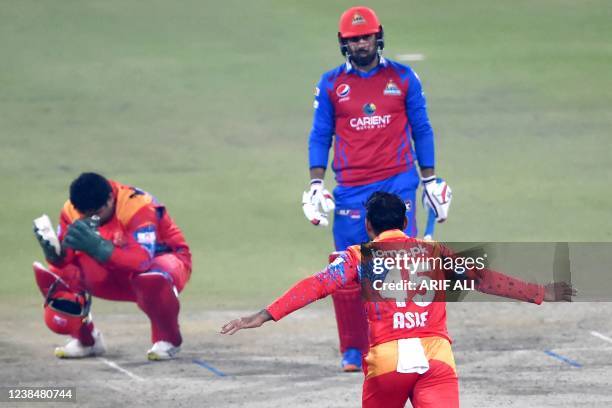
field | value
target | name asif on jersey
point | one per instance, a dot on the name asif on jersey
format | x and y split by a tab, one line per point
370	121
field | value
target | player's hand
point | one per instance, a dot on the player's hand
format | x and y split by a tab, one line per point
248	322
48	248
317	202
437	195
559	292
81	236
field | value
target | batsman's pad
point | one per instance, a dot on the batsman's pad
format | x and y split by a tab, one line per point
45	279
350	316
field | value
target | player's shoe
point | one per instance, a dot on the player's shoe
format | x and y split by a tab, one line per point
74	348
162	350
351	360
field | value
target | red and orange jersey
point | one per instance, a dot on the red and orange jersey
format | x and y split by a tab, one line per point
140	229
419	314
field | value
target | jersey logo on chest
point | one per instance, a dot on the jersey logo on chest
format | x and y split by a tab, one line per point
391	89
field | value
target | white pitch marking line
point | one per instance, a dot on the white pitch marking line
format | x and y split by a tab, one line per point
411	57
601	336
114	365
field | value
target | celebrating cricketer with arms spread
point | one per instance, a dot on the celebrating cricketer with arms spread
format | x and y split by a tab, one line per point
115	242
374	111
409	353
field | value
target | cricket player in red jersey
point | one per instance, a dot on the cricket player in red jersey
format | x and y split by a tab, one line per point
410	355
116	242
374	113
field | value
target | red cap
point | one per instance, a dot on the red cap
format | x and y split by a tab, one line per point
358	21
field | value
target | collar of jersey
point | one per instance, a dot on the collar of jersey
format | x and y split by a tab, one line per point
390	234
348	68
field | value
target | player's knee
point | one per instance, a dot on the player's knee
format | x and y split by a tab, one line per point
152	283
44	277
174	268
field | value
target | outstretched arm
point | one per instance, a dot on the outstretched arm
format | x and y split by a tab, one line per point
336	275
499	284
248	322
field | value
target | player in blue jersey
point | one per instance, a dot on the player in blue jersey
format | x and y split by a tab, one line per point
373	111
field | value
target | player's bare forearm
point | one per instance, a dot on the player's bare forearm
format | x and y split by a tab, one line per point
317	173
313	288
427	172
247	322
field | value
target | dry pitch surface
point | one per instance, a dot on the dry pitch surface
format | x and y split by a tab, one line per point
499	348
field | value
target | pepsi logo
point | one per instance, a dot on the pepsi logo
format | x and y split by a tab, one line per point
343	90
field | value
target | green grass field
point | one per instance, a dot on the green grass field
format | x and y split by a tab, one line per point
208	106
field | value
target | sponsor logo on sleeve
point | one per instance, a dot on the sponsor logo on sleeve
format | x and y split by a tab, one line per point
147	238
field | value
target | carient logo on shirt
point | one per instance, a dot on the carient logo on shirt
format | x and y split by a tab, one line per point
370	122
392	89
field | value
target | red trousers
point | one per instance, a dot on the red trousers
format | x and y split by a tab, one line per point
155	290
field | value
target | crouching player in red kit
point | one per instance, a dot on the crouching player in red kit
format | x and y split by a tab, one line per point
410	356
115	242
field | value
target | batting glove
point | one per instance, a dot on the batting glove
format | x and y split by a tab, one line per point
437	196
50	251
317	203
81	236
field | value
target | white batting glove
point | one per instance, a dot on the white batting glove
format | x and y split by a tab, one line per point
437	195
317	203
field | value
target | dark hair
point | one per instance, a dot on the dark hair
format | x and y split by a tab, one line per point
385	211
89	192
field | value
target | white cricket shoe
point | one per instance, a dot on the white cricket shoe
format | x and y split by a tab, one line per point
162	350
74	348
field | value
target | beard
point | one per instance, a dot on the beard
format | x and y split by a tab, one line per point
363	59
